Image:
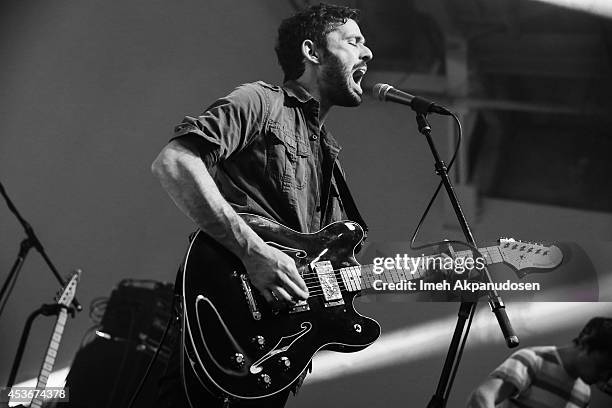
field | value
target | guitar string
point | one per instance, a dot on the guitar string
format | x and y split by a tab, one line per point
418	269
316	282
368	269
316	277
315	288
369	266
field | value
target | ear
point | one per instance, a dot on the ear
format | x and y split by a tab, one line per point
310	52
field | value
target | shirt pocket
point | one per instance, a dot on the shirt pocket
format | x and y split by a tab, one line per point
287	157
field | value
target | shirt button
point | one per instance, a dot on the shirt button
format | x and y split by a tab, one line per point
314	137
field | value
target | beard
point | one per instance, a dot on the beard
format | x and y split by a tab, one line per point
337	83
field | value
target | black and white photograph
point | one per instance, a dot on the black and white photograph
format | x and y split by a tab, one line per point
294	203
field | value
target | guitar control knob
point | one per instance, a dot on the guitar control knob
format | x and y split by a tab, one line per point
284	363
238	360
265	381
259	341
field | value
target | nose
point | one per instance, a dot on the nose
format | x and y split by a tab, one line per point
366	53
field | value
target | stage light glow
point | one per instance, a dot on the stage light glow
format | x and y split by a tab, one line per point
56	379
597	7
414	343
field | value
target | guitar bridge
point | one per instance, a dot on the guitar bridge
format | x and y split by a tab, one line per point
301	306
329	283
248	294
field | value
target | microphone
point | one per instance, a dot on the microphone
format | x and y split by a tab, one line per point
386	92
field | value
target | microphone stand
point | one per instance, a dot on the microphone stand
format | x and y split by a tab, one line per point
467	309
28	243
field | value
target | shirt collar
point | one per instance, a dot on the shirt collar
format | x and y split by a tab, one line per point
297	91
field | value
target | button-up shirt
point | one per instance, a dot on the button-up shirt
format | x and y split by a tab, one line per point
270	155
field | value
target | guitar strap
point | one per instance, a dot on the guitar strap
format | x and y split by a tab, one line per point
347	200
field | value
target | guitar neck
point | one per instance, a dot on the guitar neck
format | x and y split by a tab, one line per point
361	277
49	361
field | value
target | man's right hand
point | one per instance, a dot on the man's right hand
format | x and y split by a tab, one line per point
275	275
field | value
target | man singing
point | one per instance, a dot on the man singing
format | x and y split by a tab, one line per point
271	155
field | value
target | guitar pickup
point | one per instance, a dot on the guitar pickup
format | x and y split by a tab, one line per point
329	283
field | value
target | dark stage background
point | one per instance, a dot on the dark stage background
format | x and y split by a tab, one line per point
90	93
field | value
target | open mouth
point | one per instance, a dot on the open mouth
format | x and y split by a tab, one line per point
358	75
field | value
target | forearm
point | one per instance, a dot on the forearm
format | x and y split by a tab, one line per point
186	179
184	176
480	399
491	392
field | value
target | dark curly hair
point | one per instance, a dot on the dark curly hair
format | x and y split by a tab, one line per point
313	23
596	335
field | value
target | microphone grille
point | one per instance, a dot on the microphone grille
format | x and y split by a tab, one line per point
379	91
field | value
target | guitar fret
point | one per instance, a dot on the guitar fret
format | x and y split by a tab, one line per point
353	278
347	278
419	271
359	277
495	254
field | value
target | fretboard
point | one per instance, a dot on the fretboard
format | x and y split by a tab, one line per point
49	361
356	278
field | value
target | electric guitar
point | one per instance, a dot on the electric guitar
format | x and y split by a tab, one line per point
64	298
237	346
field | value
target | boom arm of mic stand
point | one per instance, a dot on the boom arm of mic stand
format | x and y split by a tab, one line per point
35	242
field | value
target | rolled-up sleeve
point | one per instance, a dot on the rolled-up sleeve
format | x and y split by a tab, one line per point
229	124
518	370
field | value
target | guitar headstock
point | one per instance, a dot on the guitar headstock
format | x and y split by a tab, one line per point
523	255
68	291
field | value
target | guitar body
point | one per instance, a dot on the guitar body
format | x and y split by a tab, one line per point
235	345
